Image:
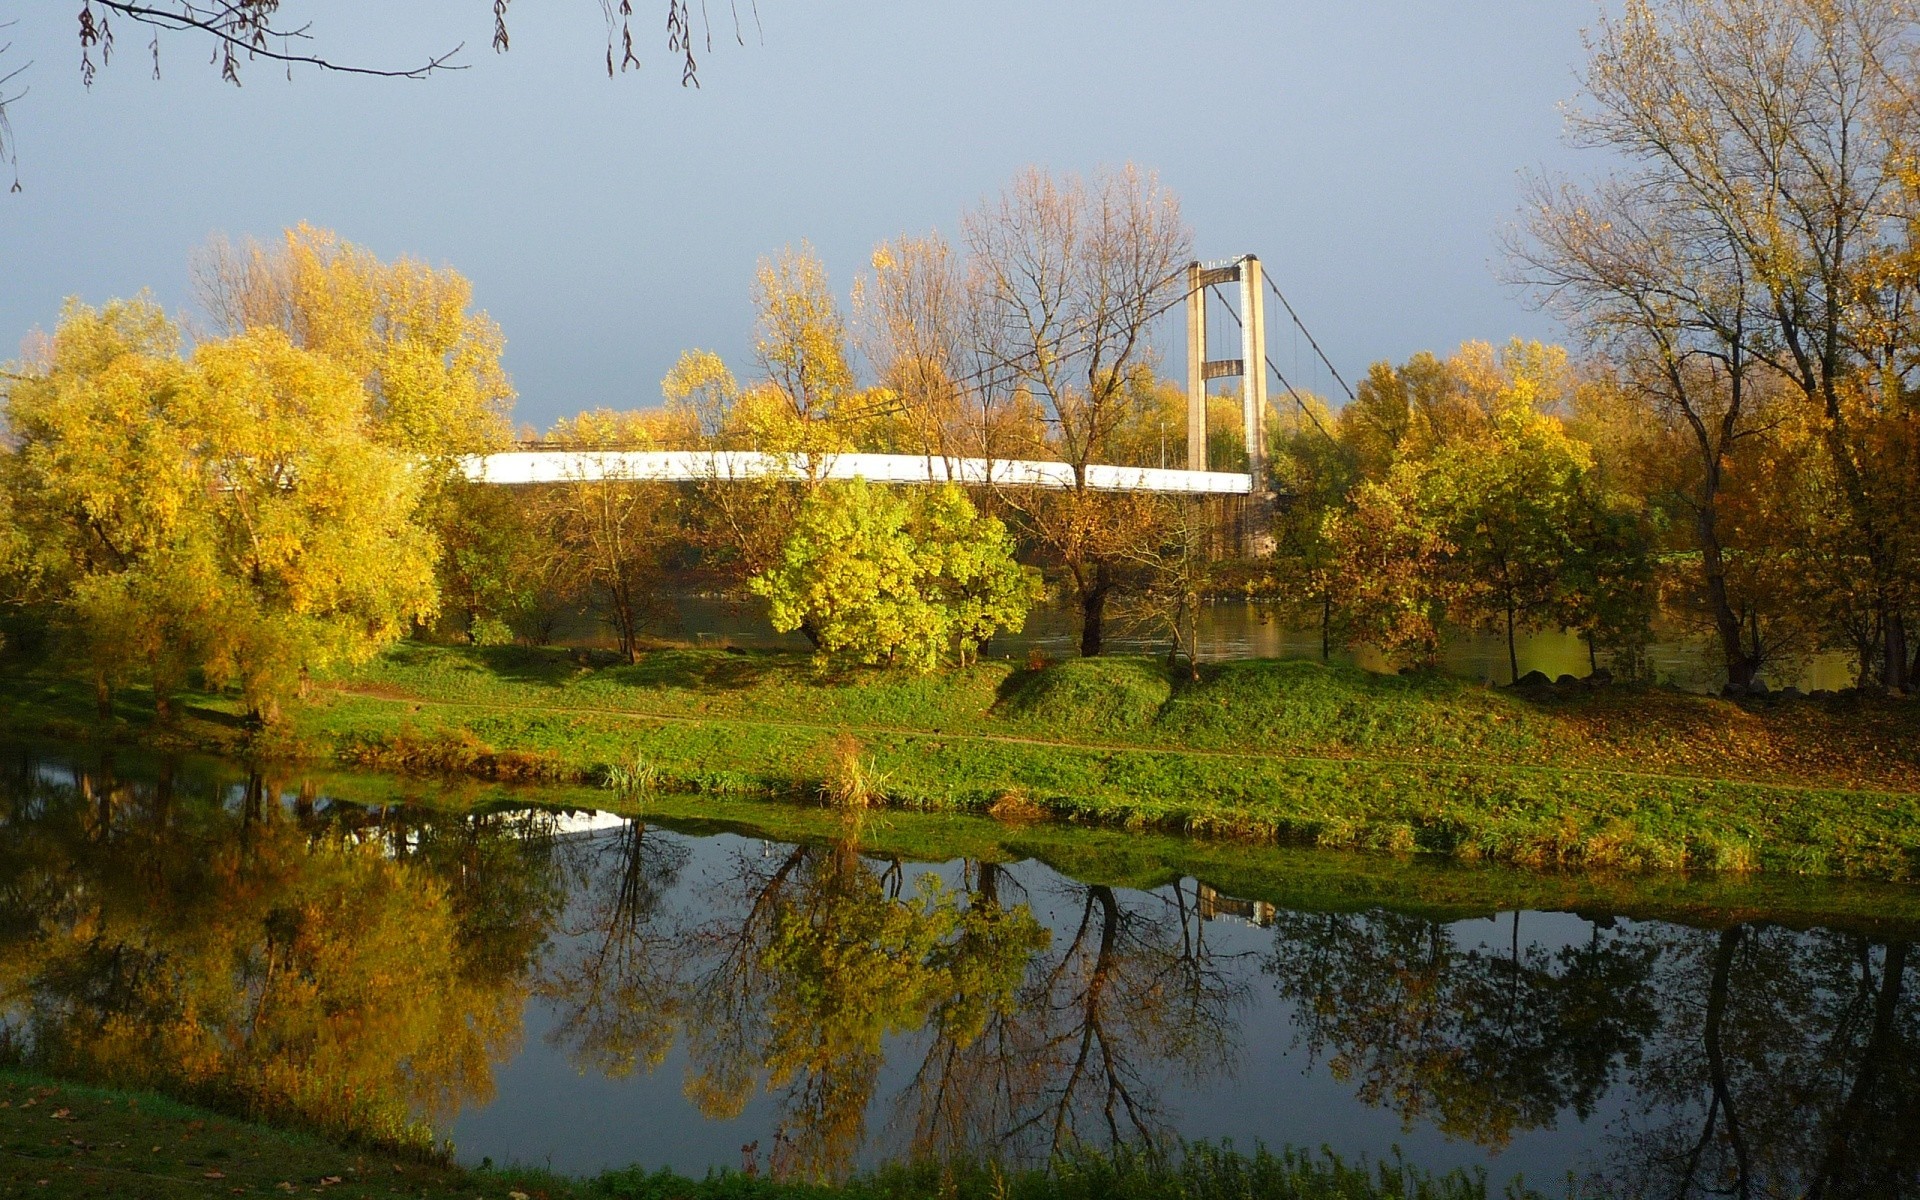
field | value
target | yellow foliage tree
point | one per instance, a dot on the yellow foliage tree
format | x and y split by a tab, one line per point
403	329
232	513
310	522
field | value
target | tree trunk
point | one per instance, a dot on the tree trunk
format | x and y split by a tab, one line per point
1513	656
1326	626
102	696
1896	650
1093	612
1741	666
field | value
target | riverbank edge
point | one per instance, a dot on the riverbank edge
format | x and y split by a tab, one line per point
67	1141
497	718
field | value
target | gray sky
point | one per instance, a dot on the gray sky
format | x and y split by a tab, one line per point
1369	153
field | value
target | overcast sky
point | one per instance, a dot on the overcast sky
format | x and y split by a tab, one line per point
1369	153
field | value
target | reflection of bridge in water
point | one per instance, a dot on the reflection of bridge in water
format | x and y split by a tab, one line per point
1214	906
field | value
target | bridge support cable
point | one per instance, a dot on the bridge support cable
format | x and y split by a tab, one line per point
1298	400
1301	326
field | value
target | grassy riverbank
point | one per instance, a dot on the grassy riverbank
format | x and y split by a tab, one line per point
60	1141
1612	777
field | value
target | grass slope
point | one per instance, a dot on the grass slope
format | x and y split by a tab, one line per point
1617	778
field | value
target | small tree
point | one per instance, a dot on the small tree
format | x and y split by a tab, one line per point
1385	576
1506	504
1176	574
615	533
871	576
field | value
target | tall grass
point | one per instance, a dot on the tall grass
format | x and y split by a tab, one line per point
1200	1171
632	777
852	782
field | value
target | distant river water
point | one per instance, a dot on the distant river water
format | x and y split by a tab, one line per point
546	983
1231	629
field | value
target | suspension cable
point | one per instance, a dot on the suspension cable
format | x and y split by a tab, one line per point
1280	296
1298	399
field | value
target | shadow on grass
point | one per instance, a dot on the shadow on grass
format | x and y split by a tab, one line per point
214	716
707	671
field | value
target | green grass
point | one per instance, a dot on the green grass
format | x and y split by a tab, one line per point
1630	779
62	1141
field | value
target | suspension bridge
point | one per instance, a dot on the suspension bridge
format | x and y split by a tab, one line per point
1202	279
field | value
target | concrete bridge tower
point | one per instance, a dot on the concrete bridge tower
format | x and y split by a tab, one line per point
1250	367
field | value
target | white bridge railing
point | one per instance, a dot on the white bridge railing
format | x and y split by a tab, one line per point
687	466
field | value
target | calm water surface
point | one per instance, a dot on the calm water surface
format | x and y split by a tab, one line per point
1231	629
560	986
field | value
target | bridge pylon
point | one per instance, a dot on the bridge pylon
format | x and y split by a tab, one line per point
1250	368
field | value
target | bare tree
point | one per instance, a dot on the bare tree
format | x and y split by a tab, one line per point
912	323
9	80
615	531
1648	275
241	32
1070	274
1177	565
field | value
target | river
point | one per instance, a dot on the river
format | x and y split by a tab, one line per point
540	981
1230	629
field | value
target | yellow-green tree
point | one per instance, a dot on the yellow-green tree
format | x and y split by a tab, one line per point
876	577
230	513
403	329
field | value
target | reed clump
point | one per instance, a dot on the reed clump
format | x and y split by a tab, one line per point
852	781
634	776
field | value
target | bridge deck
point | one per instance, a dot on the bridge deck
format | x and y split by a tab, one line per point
561	466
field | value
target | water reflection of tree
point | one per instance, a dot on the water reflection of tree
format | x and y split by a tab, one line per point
798	965
1481	1043
1134	995
617	994
1785	1064
794	967
228	947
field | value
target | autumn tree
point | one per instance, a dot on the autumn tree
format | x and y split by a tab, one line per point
615	532
503	572
429	366
1762	225
229	513
1488	512
313	526
912	315
1176	564
1314	470
878	577
1072	273
1506	506
405	330
1384	578
801	409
